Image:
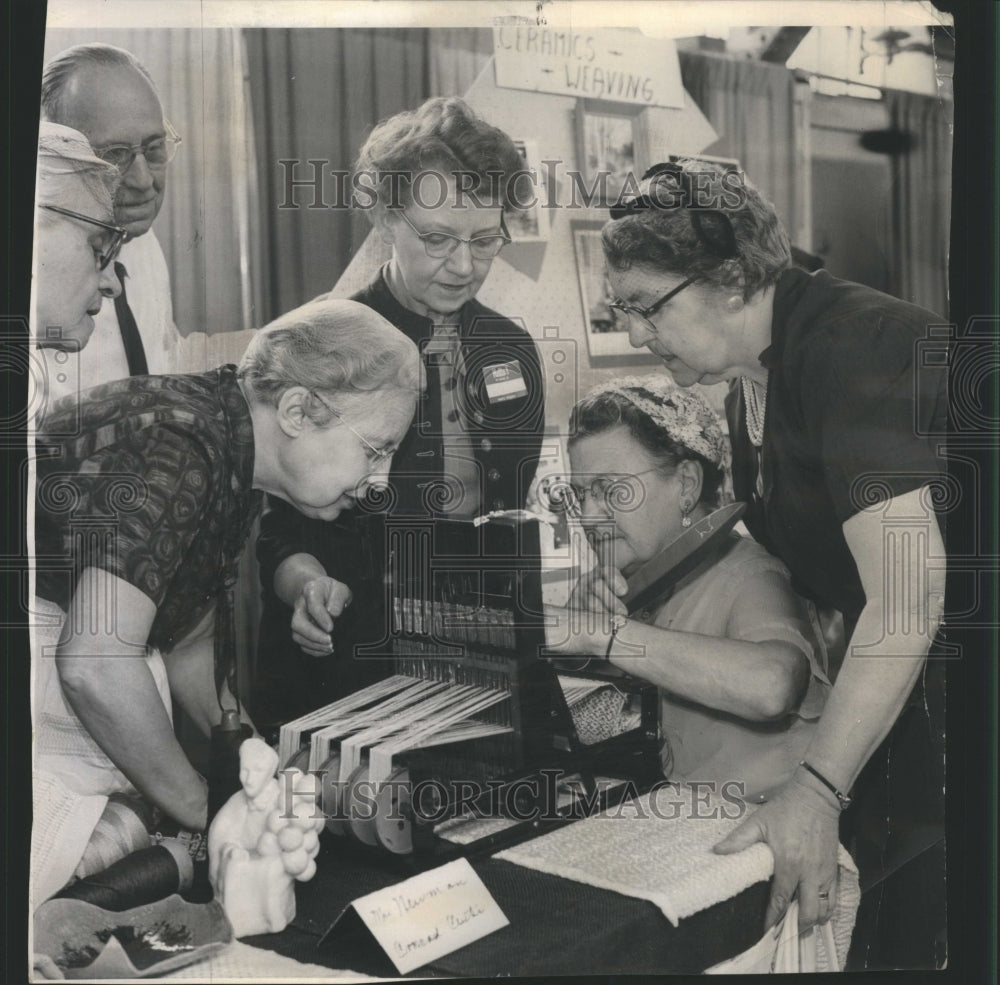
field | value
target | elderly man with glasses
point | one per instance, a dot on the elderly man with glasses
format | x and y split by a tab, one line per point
105	93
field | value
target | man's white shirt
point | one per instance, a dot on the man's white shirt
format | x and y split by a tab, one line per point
147	286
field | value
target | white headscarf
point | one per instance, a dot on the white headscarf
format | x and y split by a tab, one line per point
66	161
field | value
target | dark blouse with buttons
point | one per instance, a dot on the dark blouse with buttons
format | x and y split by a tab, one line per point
505	437
148	478
856	414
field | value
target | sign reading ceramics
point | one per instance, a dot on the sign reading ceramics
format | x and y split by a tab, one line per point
616	65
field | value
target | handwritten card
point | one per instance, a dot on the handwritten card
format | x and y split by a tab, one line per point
430	915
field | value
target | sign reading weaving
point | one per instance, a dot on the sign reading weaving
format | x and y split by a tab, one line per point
616	65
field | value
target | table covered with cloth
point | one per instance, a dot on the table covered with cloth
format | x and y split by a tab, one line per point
565	917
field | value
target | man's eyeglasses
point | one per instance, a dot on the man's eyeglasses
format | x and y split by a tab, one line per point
116	233
158	151
713	227
612	492
375	456
442	245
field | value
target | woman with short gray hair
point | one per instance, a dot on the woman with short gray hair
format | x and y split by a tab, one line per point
437	183
168	472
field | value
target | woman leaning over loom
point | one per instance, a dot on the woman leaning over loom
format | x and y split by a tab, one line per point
145	496
834	442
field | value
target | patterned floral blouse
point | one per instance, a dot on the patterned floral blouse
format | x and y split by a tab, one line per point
148	478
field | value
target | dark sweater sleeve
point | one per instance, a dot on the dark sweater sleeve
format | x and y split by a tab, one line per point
874	417
282	534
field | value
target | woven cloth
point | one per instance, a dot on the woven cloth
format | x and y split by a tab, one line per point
601	715
658	847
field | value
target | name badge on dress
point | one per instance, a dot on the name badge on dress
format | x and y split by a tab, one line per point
504	381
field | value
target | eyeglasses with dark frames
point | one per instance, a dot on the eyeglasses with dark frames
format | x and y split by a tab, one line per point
376	456
158	151
439	246
646	314
117	234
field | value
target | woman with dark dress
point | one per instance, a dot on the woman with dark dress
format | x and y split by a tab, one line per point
442	180
835	428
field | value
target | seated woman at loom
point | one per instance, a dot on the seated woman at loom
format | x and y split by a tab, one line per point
732	649
144	506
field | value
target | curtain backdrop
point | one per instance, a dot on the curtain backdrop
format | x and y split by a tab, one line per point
316	95
920	207
752	107
206	225
457	56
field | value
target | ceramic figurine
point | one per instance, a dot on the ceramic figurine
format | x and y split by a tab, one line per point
261	841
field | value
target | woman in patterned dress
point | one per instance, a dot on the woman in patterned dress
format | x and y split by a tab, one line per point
145	496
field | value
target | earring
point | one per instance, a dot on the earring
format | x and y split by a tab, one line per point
685	519
734	303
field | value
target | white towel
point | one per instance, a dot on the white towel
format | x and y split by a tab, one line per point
658	847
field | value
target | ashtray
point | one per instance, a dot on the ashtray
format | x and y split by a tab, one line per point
85	941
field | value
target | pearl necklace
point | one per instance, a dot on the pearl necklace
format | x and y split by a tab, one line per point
755	401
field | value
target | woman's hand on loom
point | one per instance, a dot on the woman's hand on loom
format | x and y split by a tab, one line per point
320	602
584	624
800	826
597	593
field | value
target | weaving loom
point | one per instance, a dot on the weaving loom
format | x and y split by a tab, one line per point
475	720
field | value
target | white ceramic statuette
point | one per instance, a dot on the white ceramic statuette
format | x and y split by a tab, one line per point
259	844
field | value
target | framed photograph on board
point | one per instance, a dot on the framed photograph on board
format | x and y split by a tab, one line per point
529	225
605	149
607	332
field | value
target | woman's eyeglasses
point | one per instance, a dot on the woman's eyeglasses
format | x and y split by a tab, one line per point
612	492
115	233
441	245
375	456
646	314
157	151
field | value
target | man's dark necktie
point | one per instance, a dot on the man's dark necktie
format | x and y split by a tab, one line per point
134	352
